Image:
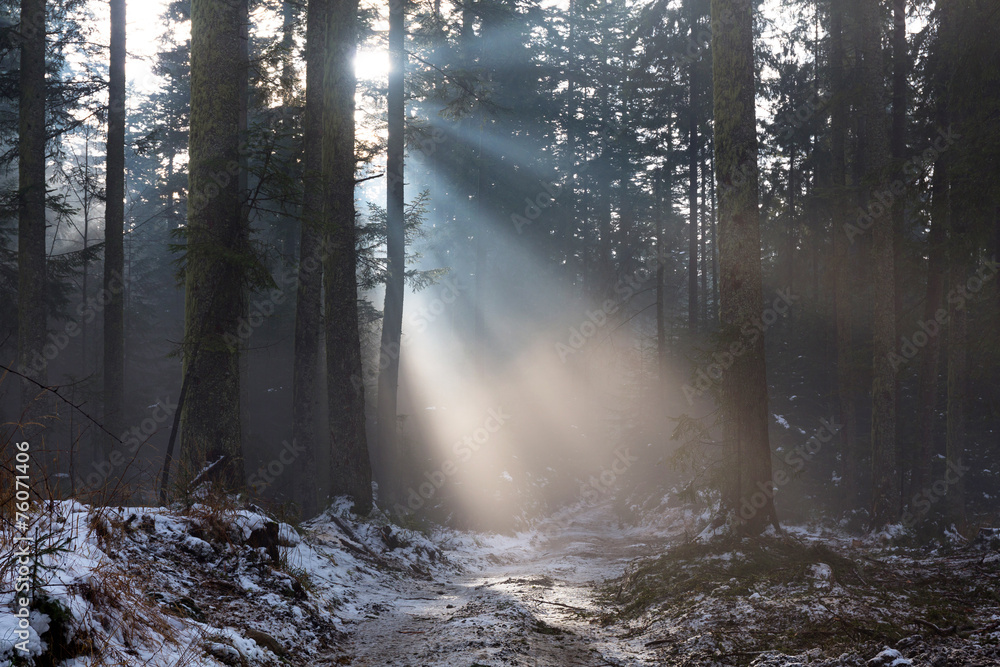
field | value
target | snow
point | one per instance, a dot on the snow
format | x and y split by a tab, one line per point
889	657
164	587
10	638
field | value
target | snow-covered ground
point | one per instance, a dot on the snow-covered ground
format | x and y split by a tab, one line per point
132	586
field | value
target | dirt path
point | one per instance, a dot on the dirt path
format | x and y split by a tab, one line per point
533	608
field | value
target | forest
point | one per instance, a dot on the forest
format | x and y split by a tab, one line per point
499	332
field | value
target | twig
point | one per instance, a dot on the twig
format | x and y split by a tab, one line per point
344	527
368	178
55	390
940	631
559	604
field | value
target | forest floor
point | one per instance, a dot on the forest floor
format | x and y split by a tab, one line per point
532	604
227	586
594	594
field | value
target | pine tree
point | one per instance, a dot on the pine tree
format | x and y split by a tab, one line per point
114	222
749	496
392	313
874	148
308	303
350	465
217	246
32	312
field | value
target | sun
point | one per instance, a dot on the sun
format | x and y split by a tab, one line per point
371	64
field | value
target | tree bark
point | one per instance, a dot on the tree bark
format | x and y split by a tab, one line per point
308	303
843	270
217	246
957	382
934	300
898	147
886	498
350	466
749	496
31	270
692	180
114	228
392	312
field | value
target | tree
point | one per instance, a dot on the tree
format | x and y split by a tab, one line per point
873	156
114	223
350	466
843	270
740	274
392	313
936	269
308	304
217	245
31	312
693	178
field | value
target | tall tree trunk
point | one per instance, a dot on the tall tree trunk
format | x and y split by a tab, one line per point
843	271
715	237
961	196
31	272
308	303
692	180
749	497
350	466
217	246
569	198
874	137
289	13
389	451
703	242
790	224
664	212
934	300
958	375
114	227
897	143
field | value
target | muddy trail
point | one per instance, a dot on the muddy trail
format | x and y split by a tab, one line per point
537	608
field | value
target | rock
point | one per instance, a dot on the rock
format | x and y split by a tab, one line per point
988	539
889	657
265	640
225	654
266	538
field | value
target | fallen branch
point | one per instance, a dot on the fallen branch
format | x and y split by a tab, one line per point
940	631
559	604
347	529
